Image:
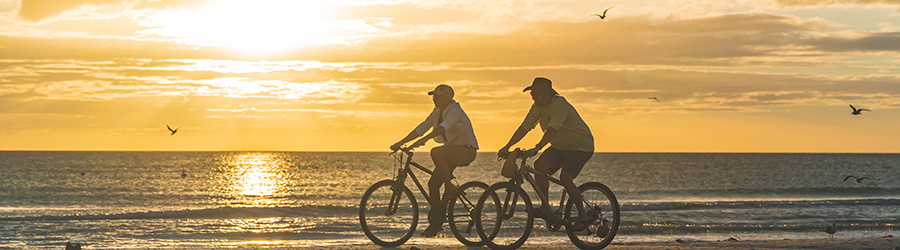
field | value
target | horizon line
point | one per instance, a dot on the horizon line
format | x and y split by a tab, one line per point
425	151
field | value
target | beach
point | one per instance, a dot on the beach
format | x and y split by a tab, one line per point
824	243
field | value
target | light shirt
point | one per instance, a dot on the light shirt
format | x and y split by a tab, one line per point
457	126
572	132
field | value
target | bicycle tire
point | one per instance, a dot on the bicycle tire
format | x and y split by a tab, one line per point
507	228
384	227
603	206
460	211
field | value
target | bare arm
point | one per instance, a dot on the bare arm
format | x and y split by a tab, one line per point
412	135
517	136
548	136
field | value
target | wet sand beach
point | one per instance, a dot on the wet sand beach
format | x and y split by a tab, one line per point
886	243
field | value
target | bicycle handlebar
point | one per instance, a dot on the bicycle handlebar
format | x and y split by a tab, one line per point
407	150
522	153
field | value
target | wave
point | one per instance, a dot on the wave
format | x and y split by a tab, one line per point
698	205
766	192
210	213
690	228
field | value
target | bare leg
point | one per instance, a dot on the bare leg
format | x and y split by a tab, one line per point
543	165
574	194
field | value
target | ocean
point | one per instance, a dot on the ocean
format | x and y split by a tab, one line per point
107	200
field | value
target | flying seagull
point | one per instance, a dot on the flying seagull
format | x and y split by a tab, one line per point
830	230
654	98
172	130
857	111
604	13
858	180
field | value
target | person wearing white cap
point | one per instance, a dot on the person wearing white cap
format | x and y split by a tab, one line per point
449	125
570	139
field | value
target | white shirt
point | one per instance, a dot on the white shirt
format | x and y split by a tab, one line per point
457	126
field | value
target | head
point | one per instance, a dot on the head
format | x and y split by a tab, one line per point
442	95
541	91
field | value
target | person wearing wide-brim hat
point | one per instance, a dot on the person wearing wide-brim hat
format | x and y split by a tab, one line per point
570	139
450	126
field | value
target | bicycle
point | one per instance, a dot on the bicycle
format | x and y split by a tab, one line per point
506	223
389	213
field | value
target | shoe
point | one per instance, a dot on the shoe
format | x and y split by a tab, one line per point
581	223
548	217
603	230
431	231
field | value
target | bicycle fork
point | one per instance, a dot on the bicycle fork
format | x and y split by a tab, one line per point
394	204
509	204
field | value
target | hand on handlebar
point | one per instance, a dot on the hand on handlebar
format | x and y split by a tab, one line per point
417	144
532	152
396	146
503	152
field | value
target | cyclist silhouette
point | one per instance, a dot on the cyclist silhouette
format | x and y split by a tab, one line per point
451	126
570	139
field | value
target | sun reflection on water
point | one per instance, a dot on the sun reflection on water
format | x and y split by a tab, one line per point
254	179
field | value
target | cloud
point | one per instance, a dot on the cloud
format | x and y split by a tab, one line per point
729	39
868	42
36	10
835	2
639	40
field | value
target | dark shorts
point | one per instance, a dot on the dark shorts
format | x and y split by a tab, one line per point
570	161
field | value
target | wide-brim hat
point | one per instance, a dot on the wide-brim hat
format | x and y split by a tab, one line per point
541	84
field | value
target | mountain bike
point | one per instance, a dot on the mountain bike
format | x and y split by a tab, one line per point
389	213
504	216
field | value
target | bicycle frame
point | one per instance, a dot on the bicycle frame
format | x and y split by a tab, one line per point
525	171
405	171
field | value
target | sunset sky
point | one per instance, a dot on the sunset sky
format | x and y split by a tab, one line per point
352	75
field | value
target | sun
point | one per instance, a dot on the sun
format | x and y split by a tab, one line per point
249	27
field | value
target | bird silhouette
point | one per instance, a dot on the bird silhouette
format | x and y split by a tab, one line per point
653	98
859	179
82	173
172	130
830	230
857	111
183	174
604	13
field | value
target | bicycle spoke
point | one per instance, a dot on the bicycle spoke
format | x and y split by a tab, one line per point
601	207
461	209
388	214
507	219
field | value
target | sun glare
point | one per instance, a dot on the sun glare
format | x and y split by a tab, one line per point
252	179
250	27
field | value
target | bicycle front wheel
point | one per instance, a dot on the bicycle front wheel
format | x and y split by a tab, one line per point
503	216
388	213
601	206
460	212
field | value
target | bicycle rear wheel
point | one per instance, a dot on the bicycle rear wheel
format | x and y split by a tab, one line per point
460	212
503	216
603	208
388	213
